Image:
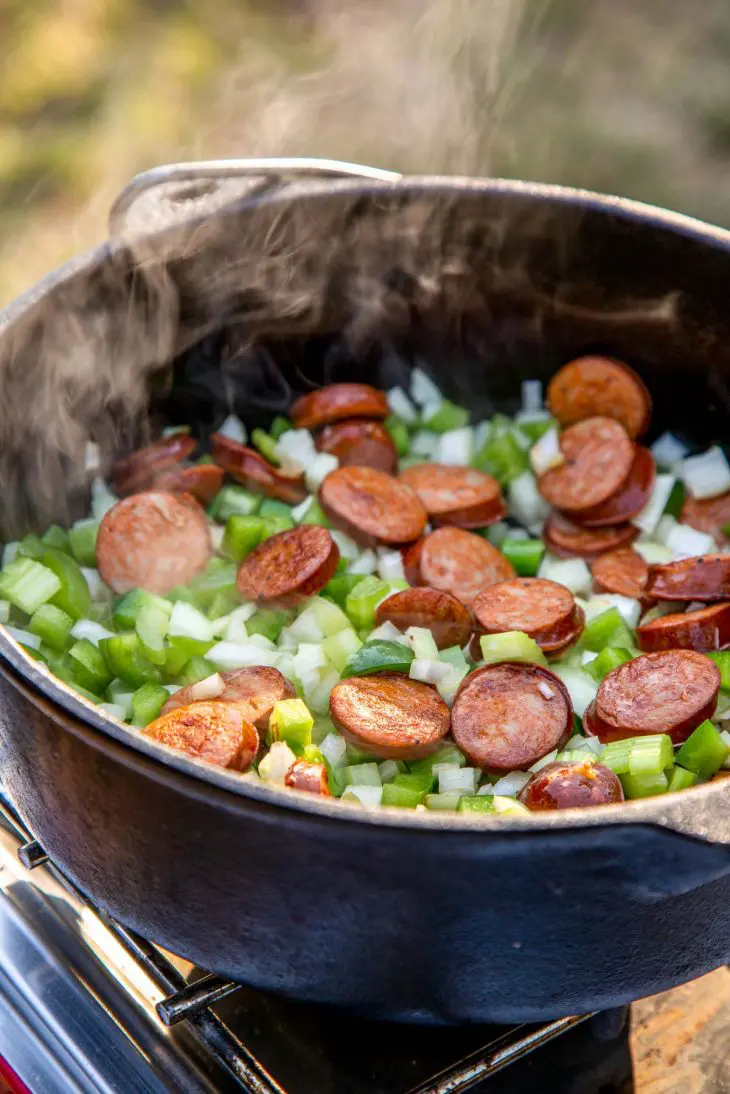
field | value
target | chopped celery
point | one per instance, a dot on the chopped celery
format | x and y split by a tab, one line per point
330	618
390	768
722	660
267	622
315	514
448	754
89	667
502	457
401	797
339	648
291	722
448	800
704	751
233	499
82	541
242	534
607	629
270	507
147	703
510	646
362	601
219	575
524	554
151	626
422	781
608	659
279	426
378	656
52	625
59	538
446	416
279	522
175	661
31	546
476	803
644	786
123	655
357	755
399	434
129	606
422	643
27	584
681	779
359	775
340	587
266	445
73	596
454	655
646	755
194	670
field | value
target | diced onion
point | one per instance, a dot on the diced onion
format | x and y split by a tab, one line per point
648	518
707	475
422	642
668	450
510	785
239	655
92	457
424	443
365	564
523	441
539	764
456	447
97	588
169	688
428	672
91	631
295	450
629	609
687	542
486	789
302	509
571	572
453	777
664	607
527	506
236	627
276	763
318	698
114	710
654	554
482	431
262	642
25	638
588	744
423	389
209	688
369	796
233	428
308	657
531	395
346	546
726	738
334	749
102	498
531	417
401	405
187	622
217	532
10	550
390	565
318	470
581	687
387	632
587	656
448	686
546	453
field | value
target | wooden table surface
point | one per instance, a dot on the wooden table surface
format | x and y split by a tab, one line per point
680	1040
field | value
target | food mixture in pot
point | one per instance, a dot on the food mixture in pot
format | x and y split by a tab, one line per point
378	601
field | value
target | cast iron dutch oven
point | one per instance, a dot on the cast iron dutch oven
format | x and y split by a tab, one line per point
234	286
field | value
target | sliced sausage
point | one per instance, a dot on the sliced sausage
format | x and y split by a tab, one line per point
138	471
622	572
309	777
670	692
152	541
508	716
372	507
571	786
629	500
542	609
704	630
217	733
709	515
599	455
389	715
289	567
706	578
568	540
338	401
254	689
358	442
446	617
457	562
459	496
591	387
203	481
251	469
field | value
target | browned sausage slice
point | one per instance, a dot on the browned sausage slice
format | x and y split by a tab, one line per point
542	609
446	617
251	469
592	387
217	733
338	401
571	786
290	567
371	507
568	540
599	455
706	577
629	500
138	471
359	443
704	630
389	715
457	562
309	777
255	689
670	692
508	716
623	572
152	541
456	495
709	515
202	481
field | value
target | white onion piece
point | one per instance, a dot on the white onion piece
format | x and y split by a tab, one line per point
539	764
498	533
686	542
97	588
486	789
450	684
217	532
526	504
424	443
668	450
318	697
10	550
102	499
587	656
301	510
317	471
429	672
276	763
588	744
695	606
390	565
453	777
346	546
334	749
517	533
388	632
522	440
401	405
629	609
114	710
365	564
581	687
707	475
295	450
262	642
239	655
510	785
596	605
532	417
309	657
236	626
187	622
726	738
571	572
482	431
369	796
233	428
209	688
169	688
423	389
456	447
654	554
91	631
663	607
531	395
648	518
92	457
546	453
25	638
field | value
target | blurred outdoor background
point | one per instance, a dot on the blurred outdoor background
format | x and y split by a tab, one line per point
626	96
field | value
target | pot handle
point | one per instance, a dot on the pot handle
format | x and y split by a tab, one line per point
199	182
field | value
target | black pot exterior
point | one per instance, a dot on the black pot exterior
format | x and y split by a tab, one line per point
439	921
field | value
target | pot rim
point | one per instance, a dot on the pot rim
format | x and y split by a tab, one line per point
693	813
